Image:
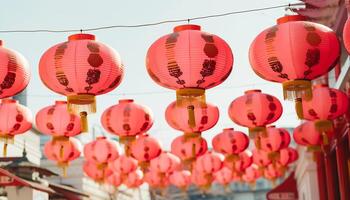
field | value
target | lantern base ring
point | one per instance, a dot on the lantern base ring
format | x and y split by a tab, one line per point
81	103
193	95
297	89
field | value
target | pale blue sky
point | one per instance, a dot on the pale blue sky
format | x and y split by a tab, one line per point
132	44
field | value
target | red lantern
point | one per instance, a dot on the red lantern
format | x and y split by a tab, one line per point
180	179
180	118
15	72
261	158
240	163
144	149
346	35
101	151
15	119
277	139
201	180
230	142
96	172
272	172
189	61
63	152
115	179
255	110
223	176
56	121
156	180
165	163
326	105
80	69
134	179
123	164
287	156
293	52
251	174
188	149
209	163
307	135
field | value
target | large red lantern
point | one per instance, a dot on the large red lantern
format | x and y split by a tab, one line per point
293	53
204	118
188	149
307	135
230	142
96	172
63	152
223	176
255	110
189	61
144	149
56	121
15	119
277	139
101	151
180	179
326	105
165	163
80	69
15	72
123	164
134	179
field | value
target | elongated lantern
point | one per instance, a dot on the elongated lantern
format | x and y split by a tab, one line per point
81	68
293	53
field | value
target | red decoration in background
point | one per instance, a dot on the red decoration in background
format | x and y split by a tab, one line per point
240	163
293	53
277	139
96	172
223	176
201	180
63	152
204	118
80	69
326	105
180	179
101	151
165	163
115	179
346	35
230	142
255	110
156	180
251	174
261	158
209	163
123	165
134	179
14	72
144	149
15	119
288	156
188	149
55	120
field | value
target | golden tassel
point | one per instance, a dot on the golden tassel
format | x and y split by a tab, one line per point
61	151
299	108
5	149
7	139
190	135
257	130
84	122
144	166
325	138
64	167
323	125
313	148
297	89
258	143
64	170
191	116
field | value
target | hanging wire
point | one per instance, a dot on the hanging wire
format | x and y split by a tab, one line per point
152	23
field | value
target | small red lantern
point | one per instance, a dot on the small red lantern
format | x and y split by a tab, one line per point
156	180
15	119
96	172
272	172
251	174
255	110
144	149
307	135
123	164
165	163
240	163
56	121
192	120
224	176
80	69
326	105
188	149
261	158
189	61
230	142
101	151
180	179
287	156
202	180
63	152
277	139
134	179
115	179
293	53
209	163
15	72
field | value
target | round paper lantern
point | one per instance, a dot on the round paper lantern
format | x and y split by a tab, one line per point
223	176
277	139
80	69
101	151
307	135
287	156
188	149
123	164
251	174
240	163
144	149
255	110
63	152
134	179
180	179
15	72
326	105
115	179
189	61
156	180
55	120
293	53
209	163
230	142
96	172
202	180
272	172
204	118
165	163
15	119
261	158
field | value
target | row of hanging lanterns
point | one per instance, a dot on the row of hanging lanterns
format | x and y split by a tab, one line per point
294	52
